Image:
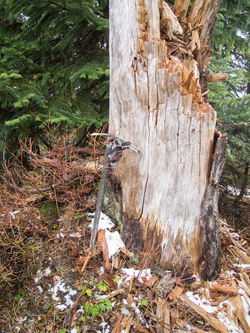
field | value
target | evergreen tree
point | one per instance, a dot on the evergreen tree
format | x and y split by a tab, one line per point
53	66
231	99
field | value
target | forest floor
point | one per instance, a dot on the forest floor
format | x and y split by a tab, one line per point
51	281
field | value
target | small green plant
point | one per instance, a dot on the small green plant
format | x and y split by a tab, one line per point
19	295
83	289
80	214
86	290
102	306
102	286
105	304
63	330
143	302
82	318
89	292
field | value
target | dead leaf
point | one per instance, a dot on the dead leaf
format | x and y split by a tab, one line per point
74	252
140	329
149	283
108	278
122	322
126	252
175	293
130	299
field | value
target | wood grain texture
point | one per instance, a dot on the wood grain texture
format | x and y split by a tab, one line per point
156	103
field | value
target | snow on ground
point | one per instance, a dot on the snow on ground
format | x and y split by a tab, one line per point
104	222
113	239
130	272
114	242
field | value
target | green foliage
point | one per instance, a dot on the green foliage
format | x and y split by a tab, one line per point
102	286
89	292
53	66
143	302
63	330
232	27
231	99
102	306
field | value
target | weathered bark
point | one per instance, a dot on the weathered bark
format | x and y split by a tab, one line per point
209	211
156	103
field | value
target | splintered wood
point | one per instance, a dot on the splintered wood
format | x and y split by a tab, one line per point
210	319
218	304
163	315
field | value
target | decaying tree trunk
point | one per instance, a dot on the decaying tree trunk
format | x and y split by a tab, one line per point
158	89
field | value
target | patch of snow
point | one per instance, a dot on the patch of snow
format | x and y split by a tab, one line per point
242	265
60	287
125	312
190	328
61	307
104	222
144	273
21	320
114	242
230	273
236	192
105	330
194	276
232	328
74	330
40	289
81	310
203	303
12	214
246	308
60	234
40	274
124	301
73	235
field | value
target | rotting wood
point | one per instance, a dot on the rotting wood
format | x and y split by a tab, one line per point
140	329
180	8
203	16
163	315
165	115
242	320
210	319
118	327
169	24
246	278
235	251
244	287
210	214
225	289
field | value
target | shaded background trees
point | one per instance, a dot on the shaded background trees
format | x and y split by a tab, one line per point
231	100
53	66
